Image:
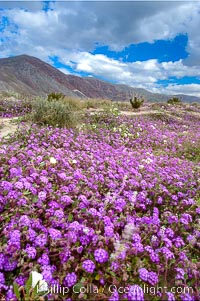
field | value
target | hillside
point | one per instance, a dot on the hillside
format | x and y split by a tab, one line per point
30	76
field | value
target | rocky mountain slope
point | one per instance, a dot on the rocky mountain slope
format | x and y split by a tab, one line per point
30	76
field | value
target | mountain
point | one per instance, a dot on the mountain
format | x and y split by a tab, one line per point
30	76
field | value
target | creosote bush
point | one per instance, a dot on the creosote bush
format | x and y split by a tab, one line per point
55	96
93	103
174	101
74	104
54	113
122	105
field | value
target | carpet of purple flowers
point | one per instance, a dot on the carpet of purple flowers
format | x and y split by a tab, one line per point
14	108
114	205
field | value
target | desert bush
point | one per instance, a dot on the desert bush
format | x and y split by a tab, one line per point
159	106
55	96
104	119
174	100
91	104
11	94
54	113
190	151
94	103
73	103
195	107
136	102
122	105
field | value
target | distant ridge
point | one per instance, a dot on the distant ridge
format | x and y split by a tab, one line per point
28	75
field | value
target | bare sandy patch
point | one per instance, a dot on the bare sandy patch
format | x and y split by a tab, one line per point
8	126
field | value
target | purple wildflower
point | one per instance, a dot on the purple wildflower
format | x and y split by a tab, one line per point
136	238
168	254
109	231
42	195
62	176
19	185
6	185
54	234
31	234
178	242
47	274
171	297
169	232
59	214
180	273
88	266
2	278
2	261
31	252
135	293
152	278
101	255
10	295
20	280
10	265
40	240
185	219
187	297
24	221
143	273
66	200
138	247
70	279
114	296
43	260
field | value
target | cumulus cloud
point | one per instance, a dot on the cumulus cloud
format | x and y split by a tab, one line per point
188	89
63	70
138	74
71	30
79	25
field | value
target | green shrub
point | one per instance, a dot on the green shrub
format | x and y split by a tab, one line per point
55	96
54	113
94	103
91	104
106	119
122	105
174	100
190	151
73	103
14	94
136	102
159	106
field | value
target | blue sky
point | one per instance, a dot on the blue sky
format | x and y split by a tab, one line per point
162	50
147	44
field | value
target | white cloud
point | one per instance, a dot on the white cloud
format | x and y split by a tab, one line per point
63	70
141	74
188	89
71	29
79	25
